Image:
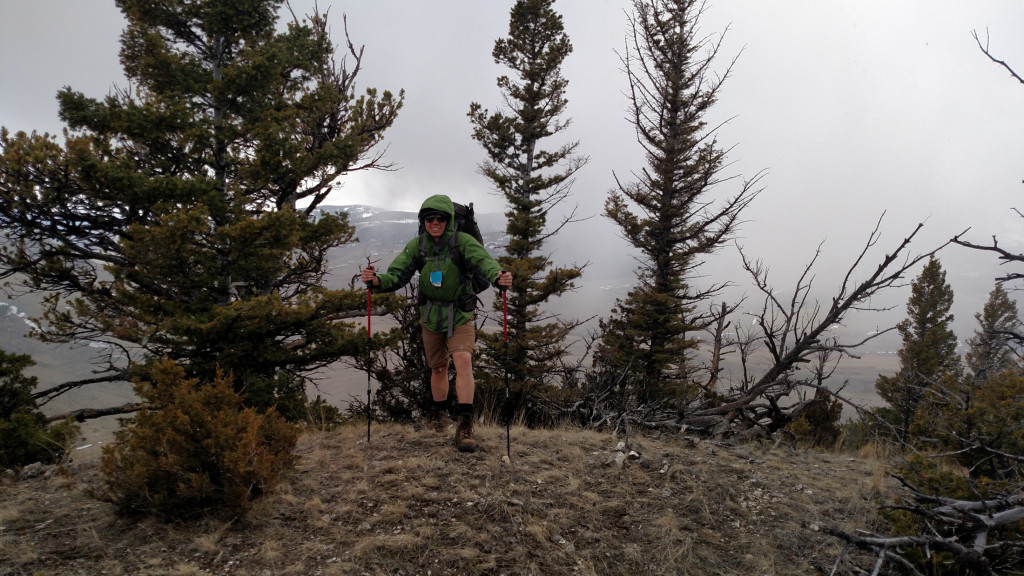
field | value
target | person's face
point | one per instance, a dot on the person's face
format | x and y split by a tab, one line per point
435	223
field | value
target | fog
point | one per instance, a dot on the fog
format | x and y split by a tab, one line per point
851	110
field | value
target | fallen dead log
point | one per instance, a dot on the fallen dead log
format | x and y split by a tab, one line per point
83	414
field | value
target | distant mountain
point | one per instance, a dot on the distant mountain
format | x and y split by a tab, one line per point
383	233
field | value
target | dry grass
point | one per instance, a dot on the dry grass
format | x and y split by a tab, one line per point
408	503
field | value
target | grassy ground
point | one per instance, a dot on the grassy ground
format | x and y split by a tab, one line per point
408	503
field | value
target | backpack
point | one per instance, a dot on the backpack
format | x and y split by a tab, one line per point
474	280
465	221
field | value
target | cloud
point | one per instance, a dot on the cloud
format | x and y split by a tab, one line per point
854	109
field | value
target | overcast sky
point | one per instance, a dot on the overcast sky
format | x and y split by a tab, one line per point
852	108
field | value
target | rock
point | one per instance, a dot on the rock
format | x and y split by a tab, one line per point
565	543
620	459
33	470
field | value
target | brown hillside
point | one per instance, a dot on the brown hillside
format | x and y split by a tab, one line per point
408	503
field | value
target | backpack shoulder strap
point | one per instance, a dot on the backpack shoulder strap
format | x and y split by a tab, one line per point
421	255
454	248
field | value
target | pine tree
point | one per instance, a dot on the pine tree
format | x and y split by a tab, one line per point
928	358
25	435
669	213
533	181
989	350
168	223
961	417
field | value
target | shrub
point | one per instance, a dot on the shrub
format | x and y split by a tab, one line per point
818	424
323	416
856	435
195	448
25	436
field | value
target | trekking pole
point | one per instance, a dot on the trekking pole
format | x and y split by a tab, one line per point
369	359
508	421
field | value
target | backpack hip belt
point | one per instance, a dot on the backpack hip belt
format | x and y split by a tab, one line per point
451	314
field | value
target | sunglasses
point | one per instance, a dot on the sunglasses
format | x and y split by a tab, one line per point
432	218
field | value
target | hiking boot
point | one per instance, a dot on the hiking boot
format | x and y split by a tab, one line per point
436	421
464	435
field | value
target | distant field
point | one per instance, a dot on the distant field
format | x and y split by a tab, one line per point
338	384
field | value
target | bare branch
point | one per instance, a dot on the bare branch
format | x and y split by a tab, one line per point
44	396
985	50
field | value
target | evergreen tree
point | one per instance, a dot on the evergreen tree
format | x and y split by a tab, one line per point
989	350
961	419
928	357
669	213
168	223
533	181
25	435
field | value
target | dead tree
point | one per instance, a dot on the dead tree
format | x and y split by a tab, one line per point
961	528
795	331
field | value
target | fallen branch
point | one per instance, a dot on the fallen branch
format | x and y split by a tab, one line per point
83	414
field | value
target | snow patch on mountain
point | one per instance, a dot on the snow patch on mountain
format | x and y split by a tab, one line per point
12	310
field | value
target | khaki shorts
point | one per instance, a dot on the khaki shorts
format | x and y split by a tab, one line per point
438	346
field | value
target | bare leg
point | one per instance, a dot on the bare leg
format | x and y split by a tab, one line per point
464	388
439	383
465	384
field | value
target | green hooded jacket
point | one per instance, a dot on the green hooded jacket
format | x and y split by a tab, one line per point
439	305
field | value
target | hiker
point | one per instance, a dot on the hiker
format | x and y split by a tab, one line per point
447	303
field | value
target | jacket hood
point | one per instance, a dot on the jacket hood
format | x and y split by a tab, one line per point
440	203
